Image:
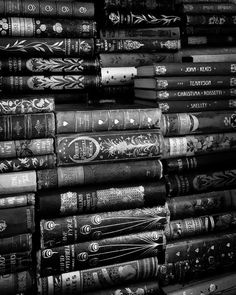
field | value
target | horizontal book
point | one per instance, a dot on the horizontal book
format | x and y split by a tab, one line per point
18	282
19	243
212	8
101	277
221	19
118	76
202	122
19	65
95	254
195	145
51	8
17	200
202	204
178	94
203	1
208	30
18	182
144	33
27	126
106	120
136	45
134	171
109	146
139	5
28	163
16	221
61	47
210	40
16	262
187	69
47	27
195	82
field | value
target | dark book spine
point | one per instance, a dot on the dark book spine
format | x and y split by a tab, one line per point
81	228
17	201
16	283
85	281
29	163
210	40
139	5
205	8
15	221
46	28
47	83
19	243
206	30
63	9
210	20
95	254
118	18
104	120
14	65
18	182
196	106
136	45
195	145
47	47
104	147
201	204
184	184
15	262
27	126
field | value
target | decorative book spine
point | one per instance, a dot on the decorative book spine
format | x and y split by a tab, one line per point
136	45
137	4
210	20
47	47
11	106
16	283
149	170
104	120
47	28
94	254
101	199
118	18
79	281
49	65
198	144
108	146
118	76
47	83
18	182
64	9
17	201
27	126
19	243
26	148
184	184
30	163
80	228
15	262
205	8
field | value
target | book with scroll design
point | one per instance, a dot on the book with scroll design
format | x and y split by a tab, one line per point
17	200
15	262
211	19
18	243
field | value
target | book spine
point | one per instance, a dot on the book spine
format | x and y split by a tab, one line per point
198	144
46	28
196	106
104	120
209	40
115	92
118	18
135	4
81	228
201	204
14	65
99	147
95	254
29	163
15	262
204	8
64	9
79	281
118	76
184	184
15	221
206	30
17	201
47	83
16	283
27	126
19	243
210	20
101	199
204	122
136	45
47	47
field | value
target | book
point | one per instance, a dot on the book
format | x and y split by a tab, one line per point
16	283
95	254
201	122
206	30
75	200
15	262
209	40
51	8
118	76
138	5
16	221
101	147
211	19
18	243
27	126
46	27
211	8
17	200
107	119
